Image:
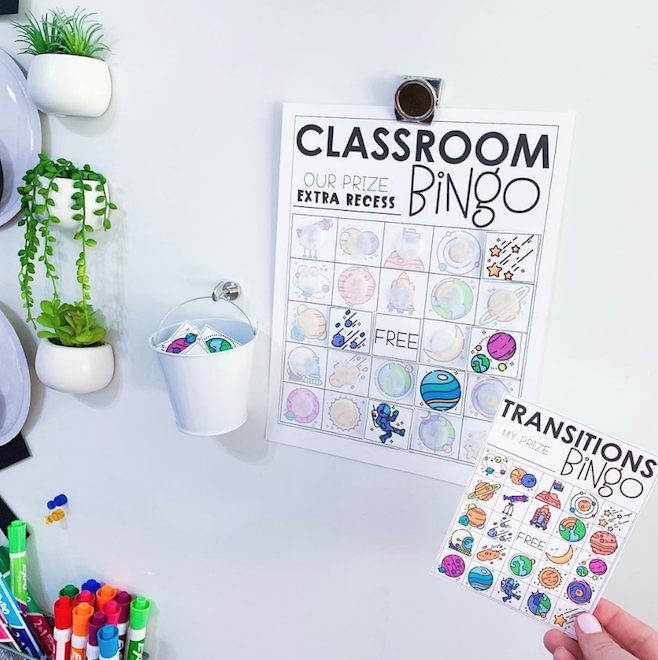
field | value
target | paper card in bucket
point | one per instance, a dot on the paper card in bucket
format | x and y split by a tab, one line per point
547	511
189	340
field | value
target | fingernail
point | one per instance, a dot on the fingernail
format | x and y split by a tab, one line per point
589	624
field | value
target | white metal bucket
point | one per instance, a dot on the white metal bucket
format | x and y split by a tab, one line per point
209	393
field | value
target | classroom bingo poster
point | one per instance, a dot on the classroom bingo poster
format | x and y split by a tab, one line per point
413	273
546	514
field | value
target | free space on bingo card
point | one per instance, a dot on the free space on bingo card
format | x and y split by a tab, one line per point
546	514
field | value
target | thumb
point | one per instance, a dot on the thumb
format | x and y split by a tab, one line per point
595	643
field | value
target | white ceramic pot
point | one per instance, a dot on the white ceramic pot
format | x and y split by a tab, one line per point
63	203
74	370
70	85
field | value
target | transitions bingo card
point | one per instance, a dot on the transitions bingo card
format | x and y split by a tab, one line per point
413	270
546	514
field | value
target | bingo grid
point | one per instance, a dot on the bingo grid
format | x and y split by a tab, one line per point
378	311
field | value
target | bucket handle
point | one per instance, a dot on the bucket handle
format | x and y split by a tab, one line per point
227	291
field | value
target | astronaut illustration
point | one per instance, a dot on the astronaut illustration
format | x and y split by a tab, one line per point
383	418
304	366
312	237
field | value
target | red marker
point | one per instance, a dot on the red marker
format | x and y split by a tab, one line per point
112	610
85	597
63	628
123	599
104	595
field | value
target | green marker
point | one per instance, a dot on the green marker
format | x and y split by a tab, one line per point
17	533
69	590
140	609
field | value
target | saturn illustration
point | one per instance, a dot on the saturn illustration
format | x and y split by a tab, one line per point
504	305
484	491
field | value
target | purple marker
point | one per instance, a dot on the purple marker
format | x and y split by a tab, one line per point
97	621
123	598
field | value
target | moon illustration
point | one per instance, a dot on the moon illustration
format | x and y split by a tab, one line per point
562	559
445	344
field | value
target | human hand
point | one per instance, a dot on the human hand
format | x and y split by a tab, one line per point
612	634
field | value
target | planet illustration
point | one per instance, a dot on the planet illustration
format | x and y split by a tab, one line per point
311	283
582	571
483	491
480	363
356	285
446	343
302	406
345	414
529	480
539	604
603	543
474	517
359	243
304	365
572	530
440	390
516	475
549	577
521	565
487	395
598	567
579	592
453	566
309	324
480	578
501	346
437	433
452	299
395	380
584	505
218	344
504	305
458	253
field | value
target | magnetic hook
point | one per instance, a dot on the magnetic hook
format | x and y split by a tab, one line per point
417	99
229	290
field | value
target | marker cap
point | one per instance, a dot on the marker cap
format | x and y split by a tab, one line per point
105	594
108	641
86	597
140	609
64	613
97	621
69	590
112	610
17	535
81	615
91	585
4	559
124	599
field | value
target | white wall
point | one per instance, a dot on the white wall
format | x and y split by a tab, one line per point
273	551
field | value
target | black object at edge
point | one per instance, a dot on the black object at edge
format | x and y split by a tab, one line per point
8	6
13	452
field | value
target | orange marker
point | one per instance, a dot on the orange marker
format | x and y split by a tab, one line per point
104	595
81	615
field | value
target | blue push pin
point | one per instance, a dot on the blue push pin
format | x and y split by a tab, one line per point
60	500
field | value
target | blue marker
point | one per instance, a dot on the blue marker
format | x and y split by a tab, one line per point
91	585
108	643
17	622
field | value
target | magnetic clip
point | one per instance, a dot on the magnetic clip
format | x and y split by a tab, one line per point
416	99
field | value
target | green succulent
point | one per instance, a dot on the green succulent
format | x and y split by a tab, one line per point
70	325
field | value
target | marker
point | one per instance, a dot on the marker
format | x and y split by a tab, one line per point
5	633
91	585
17	534
81	615
112	610
63	628
97	621
85	597
69	590
139	616
104	595
40	625
123	599
108	640
17	622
